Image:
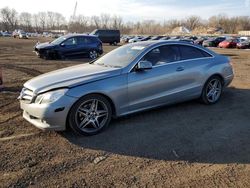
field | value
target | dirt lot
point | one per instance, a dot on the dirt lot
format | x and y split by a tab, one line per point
185	145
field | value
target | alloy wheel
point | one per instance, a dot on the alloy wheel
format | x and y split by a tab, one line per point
91	115
213	90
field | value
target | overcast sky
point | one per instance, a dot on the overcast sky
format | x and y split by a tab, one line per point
134	10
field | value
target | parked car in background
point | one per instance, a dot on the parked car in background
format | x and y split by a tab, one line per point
156	38
18	33
125	39
187	40
183	40
23	35
6	34
200	40
213	42
243	44
165	38
75	45
145	38
107	36
229	43
135	39
1	78
131	78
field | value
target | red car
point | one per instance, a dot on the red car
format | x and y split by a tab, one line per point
229	43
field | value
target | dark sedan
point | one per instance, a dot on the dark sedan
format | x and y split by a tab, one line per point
70	46
213	42
200	40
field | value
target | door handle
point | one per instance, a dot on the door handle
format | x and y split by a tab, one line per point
180	69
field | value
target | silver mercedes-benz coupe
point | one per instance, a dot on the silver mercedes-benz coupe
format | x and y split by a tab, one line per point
129	79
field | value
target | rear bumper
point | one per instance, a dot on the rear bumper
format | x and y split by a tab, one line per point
228	80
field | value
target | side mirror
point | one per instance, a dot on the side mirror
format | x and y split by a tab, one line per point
62	45
144	65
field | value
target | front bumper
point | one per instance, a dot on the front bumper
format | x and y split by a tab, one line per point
51	116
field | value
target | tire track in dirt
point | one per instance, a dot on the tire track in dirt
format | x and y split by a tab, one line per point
11	118
6	104
28	71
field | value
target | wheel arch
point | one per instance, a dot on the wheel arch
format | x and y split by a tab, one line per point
94	93
216	74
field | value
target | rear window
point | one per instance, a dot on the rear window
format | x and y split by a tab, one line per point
188	52
85	40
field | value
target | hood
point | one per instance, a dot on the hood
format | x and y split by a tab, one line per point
70	77
44	45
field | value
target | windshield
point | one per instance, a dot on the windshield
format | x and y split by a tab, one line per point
120	57
58	40
93	32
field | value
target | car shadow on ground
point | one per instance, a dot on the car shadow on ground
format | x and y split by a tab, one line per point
189	131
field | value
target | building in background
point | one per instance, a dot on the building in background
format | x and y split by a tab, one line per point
244	33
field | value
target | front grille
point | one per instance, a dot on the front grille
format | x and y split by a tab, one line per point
26	95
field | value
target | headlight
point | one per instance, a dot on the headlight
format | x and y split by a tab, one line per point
50	97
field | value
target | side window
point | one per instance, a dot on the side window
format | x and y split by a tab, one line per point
71	41
169	54
153	56
162	55
83	40
188	52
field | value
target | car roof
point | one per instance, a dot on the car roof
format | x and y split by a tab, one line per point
157	42
78	35
153	43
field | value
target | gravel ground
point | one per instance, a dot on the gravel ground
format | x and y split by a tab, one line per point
183	145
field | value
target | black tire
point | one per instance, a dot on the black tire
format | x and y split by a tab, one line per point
115	43
75	116
205	96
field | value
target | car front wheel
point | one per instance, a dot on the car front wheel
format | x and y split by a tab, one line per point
90	115
212	90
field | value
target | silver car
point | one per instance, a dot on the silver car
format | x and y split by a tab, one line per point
129	79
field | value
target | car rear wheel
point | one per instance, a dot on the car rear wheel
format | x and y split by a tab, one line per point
90	115
93	54
212	90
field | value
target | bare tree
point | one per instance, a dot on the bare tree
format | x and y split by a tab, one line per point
174	23
79	24
192	22
96	21
25	20
50	20
59	20
105	20
9	18
116	22
42	20
35	22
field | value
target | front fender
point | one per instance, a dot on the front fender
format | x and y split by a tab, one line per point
115	88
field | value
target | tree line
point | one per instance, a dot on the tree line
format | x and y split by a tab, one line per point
10	19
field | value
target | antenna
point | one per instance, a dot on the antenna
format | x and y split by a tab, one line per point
74	13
